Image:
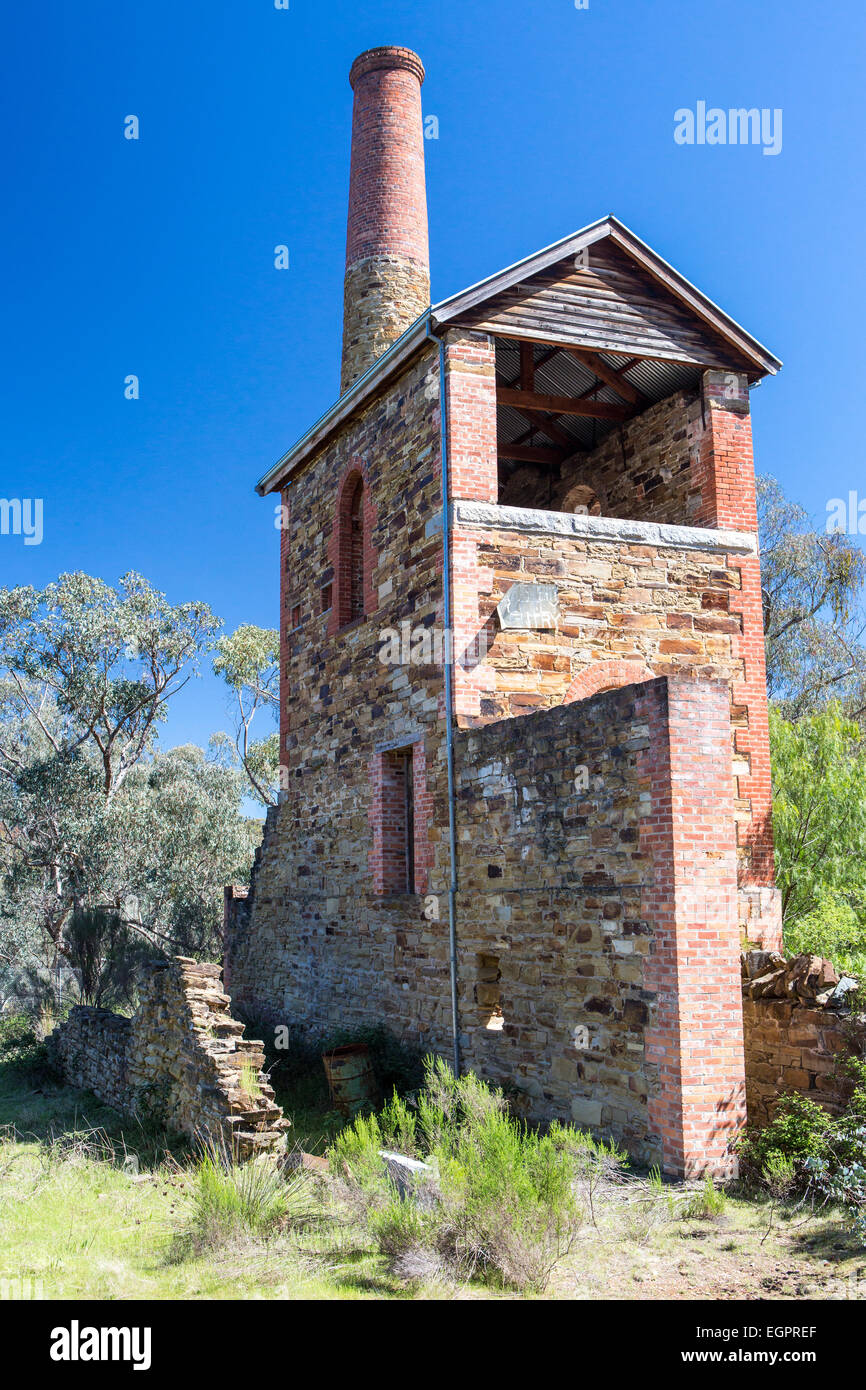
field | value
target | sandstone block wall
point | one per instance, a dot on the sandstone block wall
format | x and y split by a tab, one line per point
564	838
181	1060
798	1028
665	608
791	1047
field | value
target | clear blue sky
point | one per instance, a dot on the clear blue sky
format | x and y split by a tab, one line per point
156	257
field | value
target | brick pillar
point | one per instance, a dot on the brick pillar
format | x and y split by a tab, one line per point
726	475
473	476
470	384
387	281
690	903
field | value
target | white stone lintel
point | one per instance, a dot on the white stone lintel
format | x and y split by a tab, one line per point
488	516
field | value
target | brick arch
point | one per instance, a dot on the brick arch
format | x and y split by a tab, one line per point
606	675
340	545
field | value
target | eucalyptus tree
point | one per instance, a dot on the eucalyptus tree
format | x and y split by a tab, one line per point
814	620
86	674
248	662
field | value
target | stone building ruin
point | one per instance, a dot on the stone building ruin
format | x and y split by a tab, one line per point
536	849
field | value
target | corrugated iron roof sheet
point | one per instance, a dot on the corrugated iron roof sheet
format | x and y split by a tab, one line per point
563	374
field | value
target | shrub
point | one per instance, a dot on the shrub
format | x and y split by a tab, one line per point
707	1204
797	1131
232	1199
504	1203
249	1081
401	1226
805	1150
17	1037
835	931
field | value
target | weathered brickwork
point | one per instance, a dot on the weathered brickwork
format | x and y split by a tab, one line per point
696	1036
470	384
387	256
726	471
571	939
181	1060
608	911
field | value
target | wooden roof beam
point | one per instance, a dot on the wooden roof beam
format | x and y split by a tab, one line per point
559	405
609	375
549	427
526	453
527	367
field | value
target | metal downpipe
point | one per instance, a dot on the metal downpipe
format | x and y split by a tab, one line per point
449	700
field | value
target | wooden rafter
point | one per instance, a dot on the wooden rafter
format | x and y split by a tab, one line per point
548	426
526	453
526	379
559	405
527	367
609	375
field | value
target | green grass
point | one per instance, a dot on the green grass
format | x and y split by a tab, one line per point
76	1217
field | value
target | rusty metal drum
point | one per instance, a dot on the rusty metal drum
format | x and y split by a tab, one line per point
351	1078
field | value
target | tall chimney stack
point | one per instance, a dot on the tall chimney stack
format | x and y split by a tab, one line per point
387	255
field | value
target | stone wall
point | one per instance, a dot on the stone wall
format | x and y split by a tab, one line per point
577	913
657	599
635	600
686	461
642	470
181	1060
797	1029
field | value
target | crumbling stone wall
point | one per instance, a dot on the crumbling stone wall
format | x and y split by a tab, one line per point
797	1028
181	1060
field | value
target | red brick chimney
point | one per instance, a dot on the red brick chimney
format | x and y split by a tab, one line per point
387	256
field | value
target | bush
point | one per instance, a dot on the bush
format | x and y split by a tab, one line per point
17	1037
233	1199
835	931
806	1151
502	1203
21	1048
797	1131
707	1204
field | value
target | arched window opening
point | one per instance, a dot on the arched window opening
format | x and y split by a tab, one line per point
356	553
348	595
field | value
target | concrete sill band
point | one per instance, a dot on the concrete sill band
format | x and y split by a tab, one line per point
490	517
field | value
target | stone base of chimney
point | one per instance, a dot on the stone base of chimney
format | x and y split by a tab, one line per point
383	296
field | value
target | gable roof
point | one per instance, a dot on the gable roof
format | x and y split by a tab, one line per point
479	303
631	302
